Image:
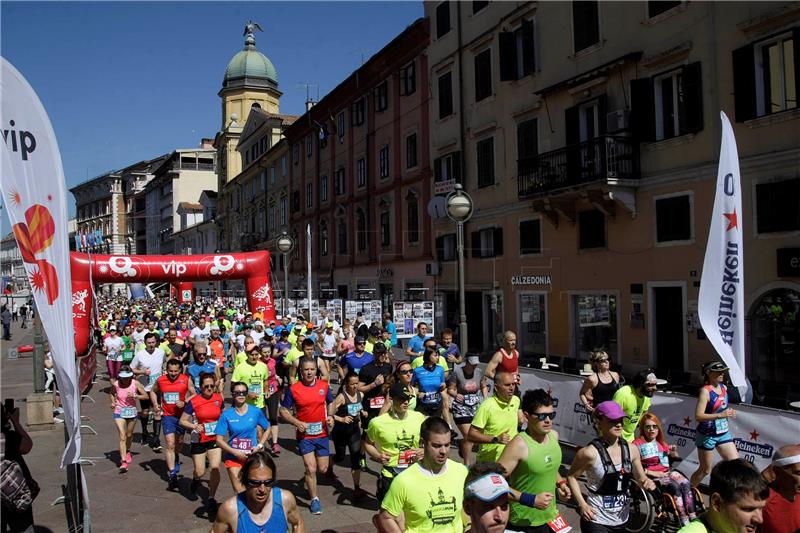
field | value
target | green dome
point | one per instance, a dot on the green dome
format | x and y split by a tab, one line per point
250	63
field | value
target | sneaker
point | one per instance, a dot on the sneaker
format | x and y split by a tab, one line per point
58	420
173	483
363	464
123	468
212	505
316	507
157	447
194	486
128	457
276	449
359	494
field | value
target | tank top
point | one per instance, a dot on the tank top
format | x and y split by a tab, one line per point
351	408
608	496
603	391
122	396
277	520
509	364
329	345
717	403
535	474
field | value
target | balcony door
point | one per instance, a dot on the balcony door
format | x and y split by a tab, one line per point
585	124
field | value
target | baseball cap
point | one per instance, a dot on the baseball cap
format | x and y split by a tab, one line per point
112	328
125	374
398	390
329	325
214	327
714	366
487	488
610	409
379	348
473	359
359	340
258	323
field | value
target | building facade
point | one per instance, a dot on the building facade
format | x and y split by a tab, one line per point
359	176
587	134
135	178
12	270
101	214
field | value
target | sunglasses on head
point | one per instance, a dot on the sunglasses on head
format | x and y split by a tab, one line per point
255	483
239	393
544	416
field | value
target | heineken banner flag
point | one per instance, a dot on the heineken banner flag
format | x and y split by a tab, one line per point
36	196
721	306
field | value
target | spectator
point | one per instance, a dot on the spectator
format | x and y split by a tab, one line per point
16	443
782	513
5	318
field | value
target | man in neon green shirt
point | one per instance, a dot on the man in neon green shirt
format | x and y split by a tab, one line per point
635	400
254	374
496	420
430	493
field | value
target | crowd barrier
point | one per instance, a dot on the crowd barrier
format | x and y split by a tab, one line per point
758	431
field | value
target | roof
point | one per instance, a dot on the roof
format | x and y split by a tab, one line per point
190	206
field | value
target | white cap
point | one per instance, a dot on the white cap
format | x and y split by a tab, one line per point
488	488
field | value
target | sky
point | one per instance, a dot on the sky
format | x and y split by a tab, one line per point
127	81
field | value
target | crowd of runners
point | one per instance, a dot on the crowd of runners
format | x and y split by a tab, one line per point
215	378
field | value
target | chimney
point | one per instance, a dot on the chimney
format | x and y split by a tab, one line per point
206	143
309	104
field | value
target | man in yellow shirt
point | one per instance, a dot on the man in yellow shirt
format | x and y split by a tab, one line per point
497	419
635	400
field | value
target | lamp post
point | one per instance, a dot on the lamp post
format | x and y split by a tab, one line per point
285	245
459	210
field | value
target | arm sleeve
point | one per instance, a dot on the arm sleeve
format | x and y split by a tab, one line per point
288	399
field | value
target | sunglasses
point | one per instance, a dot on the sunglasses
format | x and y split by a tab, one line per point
209	386
604	360
543	416
239	393
360	343
404	371
200	353
255	483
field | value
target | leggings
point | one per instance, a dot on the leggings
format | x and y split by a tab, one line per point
677	486
346	439
113	368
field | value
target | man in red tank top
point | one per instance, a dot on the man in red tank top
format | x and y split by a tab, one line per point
506	358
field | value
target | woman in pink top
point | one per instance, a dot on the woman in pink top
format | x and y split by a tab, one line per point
269	356
125	392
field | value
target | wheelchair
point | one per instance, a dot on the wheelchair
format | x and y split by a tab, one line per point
656	511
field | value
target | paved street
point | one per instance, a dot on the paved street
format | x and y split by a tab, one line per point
139	500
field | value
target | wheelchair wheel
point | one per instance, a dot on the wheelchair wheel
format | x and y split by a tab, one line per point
642	509
699	502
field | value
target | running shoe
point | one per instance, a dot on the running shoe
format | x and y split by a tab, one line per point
173	483
157	447
212	505
359	494
276	449
123	468
128	457
316	507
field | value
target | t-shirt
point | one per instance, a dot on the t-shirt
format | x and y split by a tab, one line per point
367	376
172	392
194	370
469	388
310	404
239	358
114	347
294	355
495	417
272	381
241	429
138	338
127	352
198	334
254	376
417	344
145	360
354	362
207	412
429	382
634	407
445	352
430	502
780	515
397	436
257	335
695	526
655	456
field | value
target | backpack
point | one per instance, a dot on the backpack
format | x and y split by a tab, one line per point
18	492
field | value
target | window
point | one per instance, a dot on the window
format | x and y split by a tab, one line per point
361	172
483	75
591	229
340	126
322	134
339	185
386	229
271	223
383	157
323	189
446	247
485	156
777	206
673	218
283	210
445	95
323	237
655	8
447	167
668	105
594	317
413	218
283	165
295	153
527	139
530	237
309	146
478	5
585	25
487	242
309	195
382	96
358	112
517	52
272	174
411	151
361	230
341	236
442	19
408	79
765	76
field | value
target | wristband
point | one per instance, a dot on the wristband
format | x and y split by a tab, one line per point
527	499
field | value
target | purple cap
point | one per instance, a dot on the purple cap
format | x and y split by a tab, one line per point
610	409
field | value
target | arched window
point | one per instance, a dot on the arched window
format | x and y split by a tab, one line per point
361	230
412	206
256	105
774	340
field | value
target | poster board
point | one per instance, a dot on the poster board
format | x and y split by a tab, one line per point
406	316
372	309
594	310
335	309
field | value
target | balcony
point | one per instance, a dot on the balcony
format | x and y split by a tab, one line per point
608	158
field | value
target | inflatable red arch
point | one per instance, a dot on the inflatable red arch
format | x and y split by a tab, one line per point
180	270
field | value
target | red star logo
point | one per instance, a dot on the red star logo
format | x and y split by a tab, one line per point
754	434
732	222
49	197
687	421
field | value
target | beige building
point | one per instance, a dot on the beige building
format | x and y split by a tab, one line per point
101	213
587	134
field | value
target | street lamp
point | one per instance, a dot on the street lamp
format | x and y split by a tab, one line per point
285	245
459	210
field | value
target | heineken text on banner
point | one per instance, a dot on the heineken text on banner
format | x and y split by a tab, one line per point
36	196
721	305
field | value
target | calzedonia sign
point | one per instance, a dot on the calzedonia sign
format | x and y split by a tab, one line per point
531	280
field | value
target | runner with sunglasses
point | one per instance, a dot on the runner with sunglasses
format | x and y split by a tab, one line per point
347	412
123	401
430	378
532	460
403	374
262	506
373	382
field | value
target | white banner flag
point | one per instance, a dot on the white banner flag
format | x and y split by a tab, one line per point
36	197
721	306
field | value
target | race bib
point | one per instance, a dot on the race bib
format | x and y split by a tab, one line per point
127	412
406	458
244	445
210	428
153	377
171	397
255	389
721	425
328	352
559	524
614	503
664	460
376	402
271	388
353	409
431	397
314	428
471	399
127	357
648	449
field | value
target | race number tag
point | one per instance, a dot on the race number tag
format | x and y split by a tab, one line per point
648	449
314	428
406	458
255	389
376	402
241	444
721	425
559	524
271	388
614	503
171	397
127	412
153	377
431	397
471	399
210	428
127	357
353	409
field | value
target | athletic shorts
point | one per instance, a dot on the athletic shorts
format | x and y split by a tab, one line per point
170	425
271	408
459	420
320	446
118	416
234	463
198	448
591	527
433	409
146	403
710	442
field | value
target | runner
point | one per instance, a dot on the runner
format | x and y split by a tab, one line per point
201	364
600	386
309	398
262	507
148	365
486	499
357	359
505	359
201	332
113	346
127	353
416	343
200	416
216	349
609	463
467	386
532	460
373	382
430	379
175	346
782	513
430	493
327	344
738	497
347	412
449	351
390	327
240	423
175	389
497	419
347	338
712	414
258	332
393	438
123	402
635	400
272	396
403	374
254	373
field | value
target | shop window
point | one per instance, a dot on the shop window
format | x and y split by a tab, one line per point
774	367
530	237
595	325
778	206
674	219
591	229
